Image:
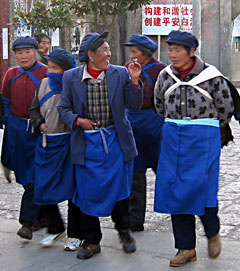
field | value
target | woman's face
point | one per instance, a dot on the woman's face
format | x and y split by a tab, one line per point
136	54
54	67
179	56
100	59
26	57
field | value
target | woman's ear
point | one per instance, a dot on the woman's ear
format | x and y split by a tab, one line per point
90	56
192	52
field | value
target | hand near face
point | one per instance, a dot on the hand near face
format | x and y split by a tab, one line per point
134	70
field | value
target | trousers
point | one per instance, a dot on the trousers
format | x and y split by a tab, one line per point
138	198
56	224
91	228
184	227
29	210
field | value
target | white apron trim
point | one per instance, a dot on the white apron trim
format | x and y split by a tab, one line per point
208	122
207	74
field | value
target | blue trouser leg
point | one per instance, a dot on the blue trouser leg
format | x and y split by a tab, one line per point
210	221
29	210
184	231
184	227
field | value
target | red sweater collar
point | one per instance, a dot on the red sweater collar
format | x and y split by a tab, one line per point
94	73
184	72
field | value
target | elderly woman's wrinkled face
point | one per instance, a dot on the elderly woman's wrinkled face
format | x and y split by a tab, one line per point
100	59
26	57
136	54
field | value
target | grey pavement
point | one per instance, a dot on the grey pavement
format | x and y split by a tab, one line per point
155	245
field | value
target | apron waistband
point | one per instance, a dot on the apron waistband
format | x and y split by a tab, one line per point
57	134
102	131
44	137
188	121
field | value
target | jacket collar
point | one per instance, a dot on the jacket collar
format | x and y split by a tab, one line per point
79	71
198	67
111	78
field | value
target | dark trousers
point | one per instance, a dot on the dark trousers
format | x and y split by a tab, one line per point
138	198
91	224
184	228
74	226
29	210
56	224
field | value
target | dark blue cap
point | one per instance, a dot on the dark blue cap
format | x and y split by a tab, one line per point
62	57
25	42
138	39
183	38
87	43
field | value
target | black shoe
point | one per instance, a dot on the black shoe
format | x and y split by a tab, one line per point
25	231
39	224
137	227
127	240
87	250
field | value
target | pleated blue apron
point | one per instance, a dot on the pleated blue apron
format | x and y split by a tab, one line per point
147	128
188	167
18	149
105	178
54	172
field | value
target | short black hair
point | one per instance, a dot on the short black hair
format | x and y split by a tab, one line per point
96	45
187	48
144	50
39	36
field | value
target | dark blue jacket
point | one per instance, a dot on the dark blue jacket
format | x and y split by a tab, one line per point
122	94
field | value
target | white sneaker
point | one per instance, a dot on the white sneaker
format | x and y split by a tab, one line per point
72	244
52	239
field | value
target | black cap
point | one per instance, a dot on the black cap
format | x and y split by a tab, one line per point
87	43
62	57
183	38
25	42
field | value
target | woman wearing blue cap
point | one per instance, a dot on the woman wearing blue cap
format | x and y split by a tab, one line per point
195	100
54	172
92	105
18	89
146	125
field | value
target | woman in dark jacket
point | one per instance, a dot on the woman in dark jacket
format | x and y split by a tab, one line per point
92	105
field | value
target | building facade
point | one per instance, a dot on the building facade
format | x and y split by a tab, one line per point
212	23
4	37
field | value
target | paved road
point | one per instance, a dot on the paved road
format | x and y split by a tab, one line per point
229	196
155	245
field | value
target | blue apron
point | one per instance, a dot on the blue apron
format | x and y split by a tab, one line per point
147	127
18	149
54	172
188	167
19	140
105	178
